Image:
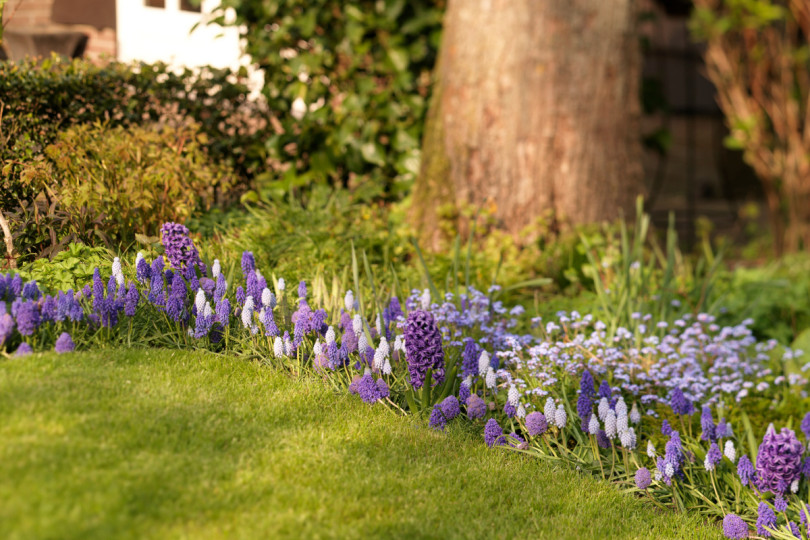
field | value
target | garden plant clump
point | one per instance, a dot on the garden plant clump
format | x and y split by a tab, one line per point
660	407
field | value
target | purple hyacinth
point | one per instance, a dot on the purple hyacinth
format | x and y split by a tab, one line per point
707	425
666	429
766	518
423	348
603	440
509	410
31	291
271	329
367	389
64	343
643	479
536	423
469	358
394	309
48	309
252	287
450	407
463	393
27	318
16	285
6	327
722	430
745	470
437	420
175	304
806	467
23	350
382	388
302	290
248	263
180	249
735	527
223	312
779	460
604	390
143	272
240	296
476	408
680	404
780	504
493	434
131	301
713	456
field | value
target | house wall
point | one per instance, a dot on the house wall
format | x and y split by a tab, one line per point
96	18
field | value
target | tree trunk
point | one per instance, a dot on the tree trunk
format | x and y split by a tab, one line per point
535	108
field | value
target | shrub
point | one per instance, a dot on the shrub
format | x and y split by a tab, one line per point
349	81
39	100
114	183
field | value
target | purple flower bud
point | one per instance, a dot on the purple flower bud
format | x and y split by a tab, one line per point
23	350
423	347
493	434
766	518
643	479
734	527
437	419
536	423
64	344
476	408
450	407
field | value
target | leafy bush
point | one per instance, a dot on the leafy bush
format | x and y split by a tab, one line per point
114	183
71	268
349	81
39	100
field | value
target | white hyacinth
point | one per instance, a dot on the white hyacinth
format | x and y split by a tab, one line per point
603	408
383	346
281	284
490	378
610	425
425	299
317	349
117	272
593	425
560	418
268	299
278	347
669	470
138	259
381	354
216	269
549	409
651	450
357	325
330	335
386	369
658	476
483	363
729	451
399	343
287	346
635	415
378	324
621	421
794	486
247	313
199	301
362	344
513	397
707	464
621	408
207	311
626	439
521	411
348	301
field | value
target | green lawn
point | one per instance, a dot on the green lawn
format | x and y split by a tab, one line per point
168	444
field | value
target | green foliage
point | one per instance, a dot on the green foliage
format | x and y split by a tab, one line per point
114	183
71	268
39	100
349	81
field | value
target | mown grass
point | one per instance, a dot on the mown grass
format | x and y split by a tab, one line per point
169	444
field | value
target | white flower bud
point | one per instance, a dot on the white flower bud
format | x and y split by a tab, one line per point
199	301
593	425
513	397
635	415
560	417
348	301
603	408
650	450
483	363
216	269
278	347
729	451
490	378
425	299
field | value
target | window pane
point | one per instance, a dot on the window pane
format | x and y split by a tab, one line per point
190	5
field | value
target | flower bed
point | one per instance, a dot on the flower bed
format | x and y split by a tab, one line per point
573	391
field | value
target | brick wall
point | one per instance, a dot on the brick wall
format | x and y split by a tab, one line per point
25	13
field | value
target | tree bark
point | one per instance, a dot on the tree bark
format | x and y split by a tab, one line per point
535	108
